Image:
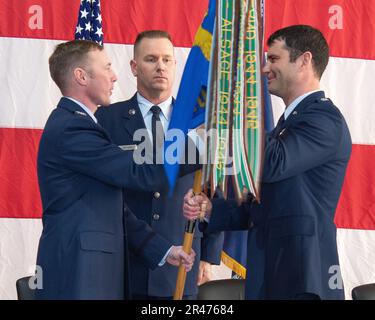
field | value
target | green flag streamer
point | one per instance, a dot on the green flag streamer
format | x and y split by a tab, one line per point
234	117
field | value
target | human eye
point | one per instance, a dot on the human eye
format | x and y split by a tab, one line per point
272	59
150	59
168	60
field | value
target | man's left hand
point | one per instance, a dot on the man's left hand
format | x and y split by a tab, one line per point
204	273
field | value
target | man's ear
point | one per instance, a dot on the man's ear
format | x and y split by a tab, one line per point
133	67
80	76
306	58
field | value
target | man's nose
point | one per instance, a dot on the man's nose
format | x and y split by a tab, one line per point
266	68
114	77
161	64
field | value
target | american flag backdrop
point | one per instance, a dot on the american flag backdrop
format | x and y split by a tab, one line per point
29	30
89	24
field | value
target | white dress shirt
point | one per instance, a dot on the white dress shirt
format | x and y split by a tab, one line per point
165	114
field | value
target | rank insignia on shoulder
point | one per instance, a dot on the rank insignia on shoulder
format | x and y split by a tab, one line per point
282	131
324	99
80	113
128	147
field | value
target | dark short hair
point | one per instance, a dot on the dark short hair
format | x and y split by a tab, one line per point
301	38
67	56
151	34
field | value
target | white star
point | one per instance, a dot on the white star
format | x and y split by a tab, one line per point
84	13
88	26
99	18
99	32
79	29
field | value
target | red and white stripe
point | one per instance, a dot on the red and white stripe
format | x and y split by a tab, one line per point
28	95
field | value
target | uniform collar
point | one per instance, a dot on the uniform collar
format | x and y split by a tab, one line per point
145	106
295	103
87	110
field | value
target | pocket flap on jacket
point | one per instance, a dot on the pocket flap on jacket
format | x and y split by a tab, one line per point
291	226
98	241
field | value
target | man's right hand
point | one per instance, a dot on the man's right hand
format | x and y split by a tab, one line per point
178	256
196	206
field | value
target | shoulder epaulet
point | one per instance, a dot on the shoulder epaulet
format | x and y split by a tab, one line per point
80	113
325	99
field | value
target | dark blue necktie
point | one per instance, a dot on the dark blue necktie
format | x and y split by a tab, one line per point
157	131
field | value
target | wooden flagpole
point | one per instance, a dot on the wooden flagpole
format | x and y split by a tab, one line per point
188	241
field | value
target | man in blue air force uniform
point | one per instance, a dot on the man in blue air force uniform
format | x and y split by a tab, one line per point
83	249
154	66
292	250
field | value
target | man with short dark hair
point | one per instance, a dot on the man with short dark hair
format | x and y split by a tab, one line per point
149	110
87	228
292	249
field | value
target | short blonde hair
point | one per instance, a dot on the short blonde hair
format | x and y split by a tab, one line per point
67	56
150	34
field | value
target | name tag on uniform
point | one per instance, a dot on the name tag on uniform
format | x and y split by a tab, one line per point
128	147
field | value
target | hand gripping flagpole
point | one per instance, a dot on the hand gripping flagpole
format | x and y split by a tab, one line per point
192	89
188	241
234	100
